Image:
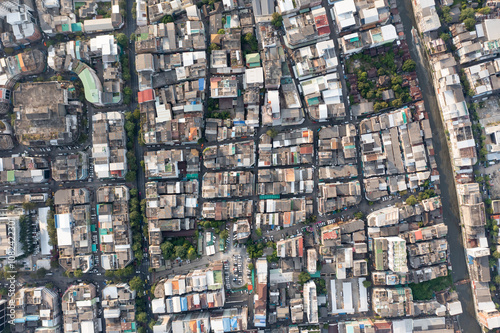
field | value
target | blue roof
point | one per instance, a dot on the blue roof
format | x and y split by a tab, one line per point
201	84
191	107
76	27
226	324
184	304
77	50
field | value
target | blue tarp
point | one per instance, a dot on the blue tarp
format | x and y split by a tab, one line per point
234	324
201	84
32	318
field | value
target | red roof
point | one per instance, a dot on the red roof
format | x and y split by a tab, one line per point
306	150
331	234
145	96
301	247
323	30
418	234
321	21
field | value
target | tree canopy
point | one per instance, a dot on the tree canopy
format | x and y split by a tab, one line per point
277	20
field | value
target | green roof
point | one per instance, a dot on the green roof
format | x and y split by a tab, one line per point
89	85
65	27
11	176
253	58
218	275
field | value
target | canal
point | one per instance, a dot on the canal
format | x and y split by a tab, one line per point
467	320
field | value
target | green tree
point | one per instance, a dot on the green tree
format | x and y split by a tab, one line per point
167	249
191	254
412	201
446	16
224	234
367	284
167	19
467	13
127	91
320	286
78	273
137	284
180	251
359	215
304	277
470	24
496	255
142	317
484	10
497	279
409	65
131	176
251	40
396	103
258	232
272	133
122	40
214	46
135	216
250	266
221	31
380	105
273	257
277	20
444	36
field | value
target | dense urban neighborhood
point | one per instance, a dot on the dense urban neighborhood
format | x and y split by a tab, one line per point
263	166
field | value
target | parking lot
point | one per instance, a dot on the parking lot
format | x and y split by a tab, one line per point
236	272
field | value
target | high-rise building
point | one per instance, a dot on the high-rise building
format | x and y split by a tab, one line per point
396	254
311	302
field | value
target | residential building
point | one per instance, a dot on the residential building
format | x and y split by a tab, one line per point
198	290
23	170
79	308
36	309
118	303
109	140
115	234
70	167
260	299
72	222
